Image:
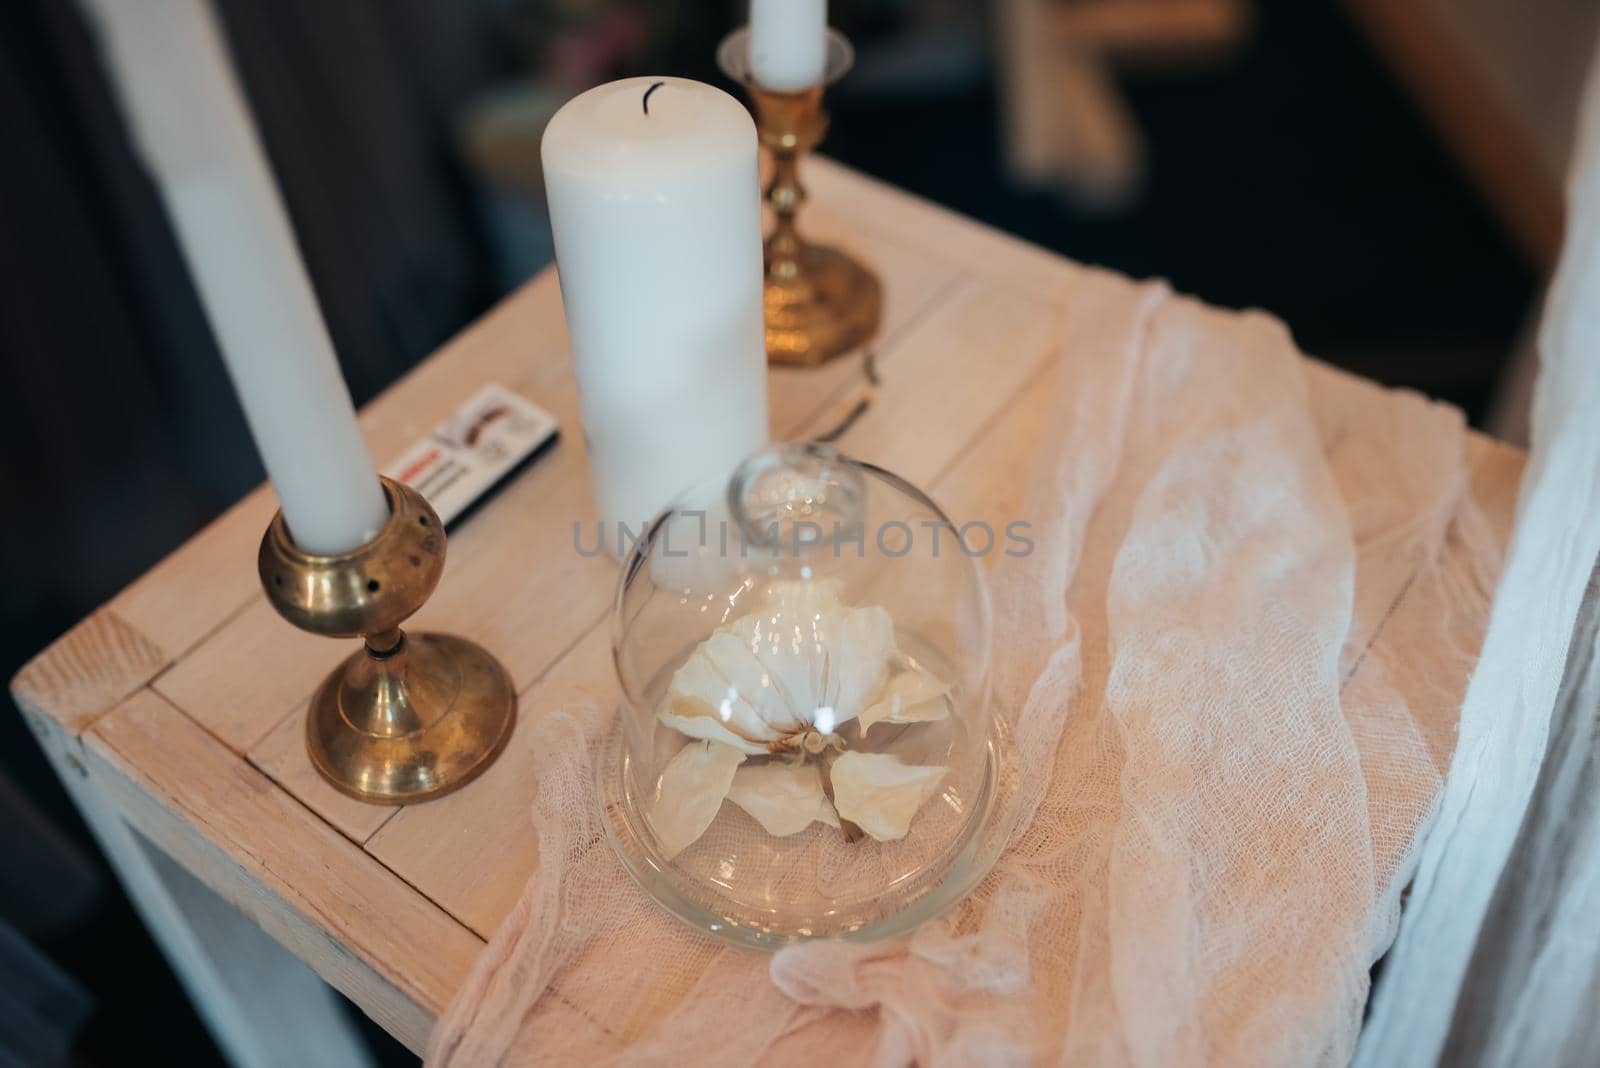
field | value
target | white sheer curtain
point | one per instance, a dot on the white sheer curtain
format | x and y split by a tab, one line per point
1498	959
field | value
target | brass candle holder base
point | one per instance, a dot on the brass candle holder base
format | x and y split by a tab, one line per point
409	717
820	302
830	305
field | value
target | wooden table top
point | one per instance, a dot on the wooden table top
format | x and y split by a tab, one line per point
184	696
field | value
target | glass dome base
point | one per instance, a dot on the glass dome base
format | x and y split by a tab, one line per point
752	916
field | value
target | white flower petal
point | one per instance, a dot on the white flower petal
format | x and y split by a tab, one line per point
721	679
860	660
879	794
690	792
736	658
911	696
788	641
784	798
710	729
821	661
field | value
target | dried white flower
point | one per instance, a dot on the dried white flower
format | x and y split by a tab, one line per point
783	680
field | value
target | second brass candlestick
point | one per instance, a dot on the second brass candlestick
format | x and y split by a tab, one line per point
820	302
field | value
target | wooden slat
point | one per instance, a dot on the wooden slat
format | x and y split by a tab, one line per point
473	851
880	211
1496	480
1426	647
951	375
88	670
197	587
282	756
362	929
245	677
802	399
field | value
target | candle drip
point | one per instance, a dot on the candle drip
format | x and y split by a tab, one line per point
646	101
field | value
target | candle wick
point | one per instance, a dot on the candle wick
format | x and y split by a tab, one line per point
647	92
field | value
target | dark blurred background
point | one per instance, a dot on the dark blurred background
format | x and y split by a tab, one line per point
1304	156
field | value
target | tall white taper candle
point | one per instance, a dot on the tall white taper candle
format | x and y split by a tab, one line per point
788	43
655	204
194	134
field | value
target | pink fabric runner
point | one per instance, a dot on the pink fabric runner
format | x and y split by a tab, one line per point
1222	778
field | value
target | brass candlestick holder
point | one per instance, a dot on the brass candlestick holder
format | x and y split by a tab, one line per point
819	301
410	716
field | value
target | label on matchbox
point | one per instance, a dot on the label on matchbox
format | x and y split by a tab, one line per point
469	453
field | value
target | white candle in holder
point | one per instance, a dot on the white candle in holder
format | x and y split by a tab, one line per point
788	43
194	134
655	205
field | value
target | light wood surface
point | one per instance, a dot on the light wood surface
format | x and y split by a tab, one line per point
182	700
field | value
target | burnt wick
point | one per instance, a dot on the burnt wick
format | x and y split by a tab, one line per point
647	92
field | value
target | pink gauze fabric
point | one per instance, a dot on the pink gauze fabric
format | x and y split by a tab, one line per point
1221	774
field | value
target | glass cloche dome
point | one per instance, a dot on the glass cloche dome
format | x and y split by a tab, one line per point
807	747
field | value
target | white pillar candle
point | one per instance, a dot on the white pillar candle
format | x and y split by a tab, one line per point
788	43
655	206
194	134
